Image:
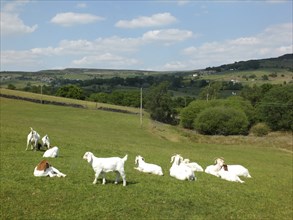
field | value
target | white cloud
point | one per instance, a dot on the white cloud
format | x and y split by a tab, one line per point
11	23
143	21
104	59
68	19
273	41
167	35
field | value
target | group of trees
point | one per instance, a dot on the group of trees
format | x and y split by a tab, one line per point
266	104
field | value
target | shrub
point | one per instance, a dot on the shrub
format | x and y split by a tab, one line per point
260	129
221	121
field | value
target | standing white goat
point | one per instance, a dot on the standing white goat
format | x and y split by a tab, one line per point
225	174
147	167
52	152
180	170
46	141
193	165
214	169
105	165
45	169
32	139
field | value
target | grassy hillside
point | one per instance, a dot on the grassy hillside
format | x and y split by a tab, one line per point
268	195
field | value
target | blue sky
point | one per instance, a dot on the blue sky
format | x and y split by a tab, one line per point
142	35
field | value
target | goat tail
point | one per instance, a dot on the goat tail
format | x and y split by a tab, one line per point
125	158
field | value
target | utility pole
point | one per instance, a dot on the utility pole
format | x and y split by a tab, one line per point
140	107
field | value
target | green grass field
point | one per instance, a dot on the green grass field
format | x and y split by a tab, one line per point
268	195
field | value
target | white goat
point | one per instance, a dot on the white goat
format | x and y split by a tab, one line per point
147	167
105	165
214	169
45	169
239	170
46	141
32	139
52	152
180	170
226	174
193	165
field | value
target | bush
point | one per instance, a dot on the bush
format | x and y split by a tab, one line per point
260	129
221	121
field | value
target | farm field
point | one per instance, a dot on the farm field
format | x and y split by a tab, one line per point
268	195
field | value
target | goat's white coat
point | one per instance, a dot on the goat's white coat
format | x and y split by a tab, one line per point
32	139
147	167
228	175
239	170
180	170
214	169
105	165
193	165
52	152
50	171
46	141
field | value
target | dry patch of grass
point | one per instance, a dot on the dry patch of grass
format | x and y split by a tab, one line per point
280	140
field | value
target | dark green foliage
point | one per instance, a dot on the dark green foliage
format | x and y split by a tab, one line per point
189	114
260	129
70	91
221	121
276	108
11	86
159	104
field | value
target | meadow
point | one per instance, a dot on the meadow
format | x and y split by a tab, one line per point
268	195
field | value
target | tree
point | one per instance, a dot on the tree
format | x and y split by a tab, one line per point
276	108
221	121
70	91
211	91
159	104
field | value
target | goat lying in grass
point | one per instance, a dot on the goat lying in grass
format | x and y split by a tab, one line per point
214	169
105	165
193	165
147	167
32	139
45	169
225	174
52	152
239	170
180	170
46	141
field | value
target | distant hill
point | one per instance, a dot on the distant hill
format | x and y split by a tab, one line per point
283	62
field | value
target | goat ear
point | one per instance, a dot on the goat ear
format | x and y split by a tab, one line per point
172	158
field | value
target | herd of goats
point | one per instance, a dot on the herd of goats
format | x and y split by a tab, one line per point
181	169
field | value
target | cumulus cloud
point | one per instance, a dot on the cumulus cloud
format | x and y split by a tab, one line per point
143	21
102	59
68	19
274	41
11	23
167	35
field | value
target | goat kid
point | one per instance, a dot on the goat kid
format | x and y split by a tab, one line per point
45	169
147	167
46	141
226	174
193	165
52	152
105	165
180	170
32	139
